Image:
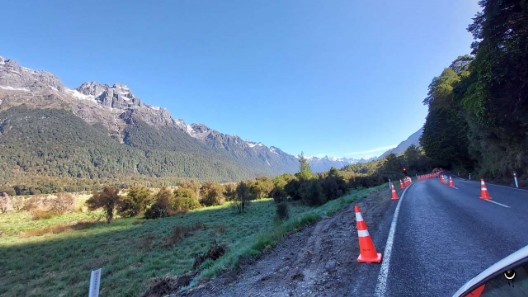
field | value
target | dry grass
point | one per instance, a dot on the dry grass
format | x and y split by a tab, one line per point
60	228
179	233
41	214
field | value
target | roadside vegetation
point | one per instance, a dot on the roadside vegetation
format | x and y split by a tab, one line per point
478	106
142	237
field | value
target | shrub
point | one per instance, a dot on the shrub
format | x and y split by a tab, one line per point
278	195
107	199
261	187
282	210
292	189
185	199
312	192
331	187
185	204
137	200
163	206
32	203
64	202
5	202
230	192
213	194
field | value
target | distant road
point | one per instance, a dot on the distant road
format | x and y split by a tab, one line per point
445	236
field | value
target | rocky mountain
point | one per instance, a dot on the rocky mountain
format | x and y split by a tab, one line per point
114	115
404	145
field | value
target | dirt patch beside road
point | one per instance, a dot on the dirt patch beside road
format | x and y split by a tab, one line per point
318	260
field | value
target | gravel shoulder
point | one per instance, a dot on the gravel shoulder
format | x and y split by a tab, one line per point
317	260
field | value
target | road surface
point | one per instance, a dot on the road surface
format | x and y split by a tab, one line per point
445	236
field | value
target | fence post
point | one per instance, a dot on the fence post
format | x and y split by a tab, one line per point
95	281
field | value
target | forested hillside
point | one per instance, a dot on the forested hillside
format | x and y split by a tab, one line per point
56	144
478	106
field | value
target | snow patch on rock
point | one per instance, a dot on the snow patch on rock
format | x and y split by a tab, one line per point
8	88
80	95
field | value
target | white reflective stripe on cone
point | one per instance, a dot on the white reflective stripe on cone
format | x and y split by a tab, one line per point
359	217
484	189
363	233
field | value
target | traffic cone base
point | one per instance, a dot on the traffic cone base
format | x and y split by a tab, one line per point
362	259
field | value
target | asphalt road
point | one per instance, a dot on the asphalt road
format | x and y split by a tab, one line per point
445	236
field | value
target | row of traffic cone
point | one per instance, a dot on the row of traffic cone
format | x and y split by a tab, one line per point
367	250
405	183
484	194
427	176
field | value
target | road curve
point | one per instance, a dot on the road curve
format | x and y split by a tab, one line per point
445	236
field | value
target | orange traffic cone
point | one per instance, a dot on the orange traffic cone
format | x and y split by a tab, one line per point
401	184
484	191
367	251
451	184
394	194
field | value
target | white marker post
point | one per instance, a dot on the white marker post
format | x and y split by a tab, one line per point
390	188
515	178
95	281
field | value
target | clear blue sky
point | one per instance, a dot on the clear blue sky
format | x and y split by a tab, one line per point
342	78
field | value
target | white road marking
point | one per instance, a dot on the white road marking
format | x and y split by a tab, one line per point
503	205
381	286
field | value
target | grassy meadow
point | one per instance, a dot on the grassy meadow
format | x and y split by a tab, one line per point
133	252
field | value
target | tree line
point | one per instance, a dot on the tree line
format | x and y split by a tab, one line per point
478	106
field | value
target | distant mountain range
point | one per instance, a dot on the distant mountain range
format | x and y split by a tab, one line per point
414	139
105	131
325	163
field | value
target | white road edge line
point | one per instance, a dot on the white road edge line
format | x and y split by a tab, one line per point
503	205
381	286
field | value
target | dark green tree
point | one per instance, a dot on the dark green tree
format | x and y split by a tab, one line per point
305	172
243	197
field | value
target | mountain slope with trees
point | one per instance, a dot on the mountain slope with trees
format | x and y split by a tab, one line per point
478	107
51	135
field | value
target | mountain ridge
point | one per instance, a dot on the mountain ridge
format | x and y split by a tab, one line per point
413	139
131	122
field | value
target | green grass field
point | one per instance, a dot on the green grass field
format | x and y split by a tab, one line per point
132	252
